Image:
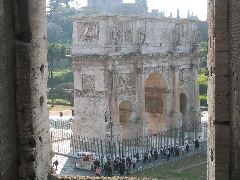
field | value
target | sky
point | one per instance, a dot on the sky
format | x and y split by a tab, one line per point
198	7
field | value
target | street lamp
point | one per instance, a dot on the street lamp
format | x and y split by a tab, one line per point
108	113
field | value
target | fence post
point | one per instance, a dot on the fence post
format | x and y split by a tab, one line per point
99	154
119	149
101	148
122	148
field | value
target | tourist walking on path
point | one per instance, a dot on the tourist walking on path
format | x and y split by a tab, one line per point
98	171
105	169
196	144
145	158
55	163
109	169
187	148
122	168
137	156
134	161
155	154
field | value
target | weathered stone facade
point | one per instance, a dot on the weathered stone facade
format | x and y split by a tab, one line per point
224	90
8	124
24	136
145	69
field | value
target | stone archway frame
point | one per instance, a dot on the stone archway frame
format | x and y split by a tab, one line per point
156	101
185	104
125	117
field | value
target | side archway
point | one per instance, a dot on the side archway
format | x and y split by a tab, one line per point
183	110
125	114
156	102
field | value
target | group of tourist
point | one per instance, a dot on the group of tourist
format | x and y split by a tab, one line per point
118	166
125	164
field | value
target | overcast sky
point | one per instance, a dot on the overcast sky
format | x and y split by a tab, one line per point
198	7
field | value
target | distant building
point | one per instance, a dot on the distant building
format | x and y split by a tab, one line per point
104	4
142	8
116	7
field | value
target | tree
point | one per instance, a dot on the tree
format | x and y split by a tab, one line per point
203	73
203	52
56	51
59	21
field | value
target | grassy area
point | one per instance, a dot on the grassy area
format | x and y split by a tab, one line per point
192	168
59	101
54	111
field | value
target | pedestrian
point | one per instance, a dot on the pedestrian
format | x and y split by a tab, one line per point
55	163
149	156
134	161
61	114
122	168
105	169
196	144
151	152
165	152
137	156
187	148
109	169
168	155
161	152
98	171
155	154
145	158
177	151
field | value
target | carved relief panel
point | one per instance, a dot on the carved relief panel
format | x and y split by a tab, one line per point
122	32
153	100
185	75
153	104
126	84
88	31
128	32
126	81
88	82
117	33
178	34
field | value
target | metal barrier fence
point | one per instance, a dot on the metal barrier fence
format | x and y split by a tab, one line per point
66	143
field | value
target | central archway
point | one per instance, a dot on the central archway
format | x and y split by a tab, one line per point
156	102
125	113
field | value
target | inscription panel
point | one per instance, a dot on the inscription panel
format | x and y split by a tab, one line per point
159	69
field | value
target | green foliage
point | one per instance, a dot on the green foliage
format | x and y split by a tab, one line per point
59	21
190	168
202	79
60	76
56	51
203	85
59	15
203	101
203	52
203	73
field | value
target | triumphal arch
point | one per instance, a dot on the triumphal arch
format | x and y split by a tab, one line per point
142	70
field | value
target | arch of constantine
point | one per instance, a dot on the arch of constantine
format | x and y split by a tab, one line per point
144	69
25	141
